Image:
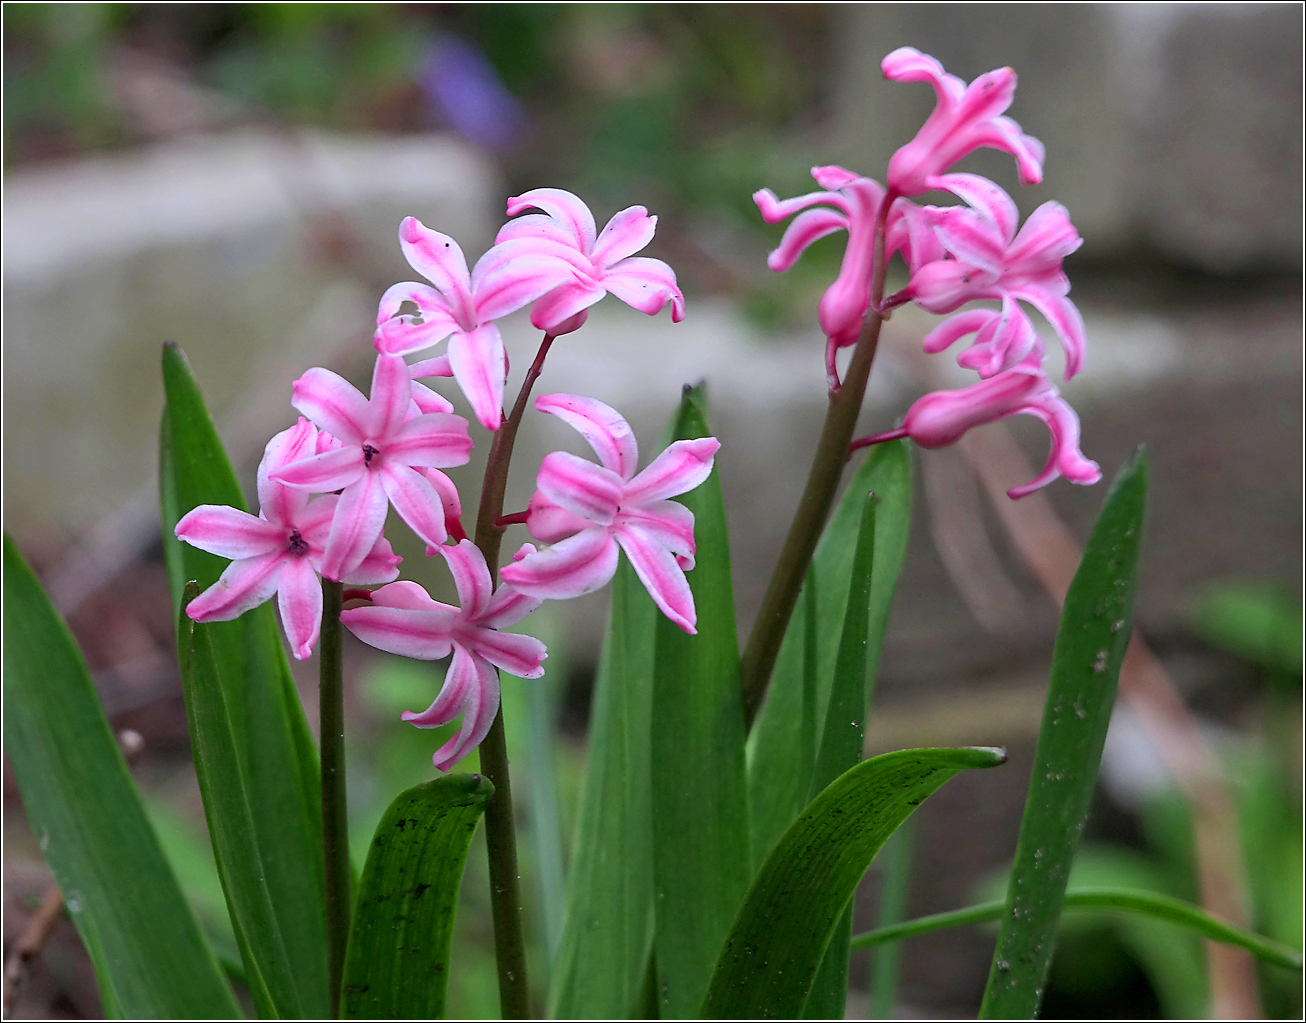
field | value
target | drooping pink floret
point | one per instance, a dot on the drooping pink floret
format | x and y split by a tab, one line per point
278	551
383	453
588	511
603	264
992	260
941	418
965	118
403	619
856	201
462	306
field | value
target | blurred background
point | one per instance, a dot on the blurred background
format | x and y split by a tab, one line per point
231	176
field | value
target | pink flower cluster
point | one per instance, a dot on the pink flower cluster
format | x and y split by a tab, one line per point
365	454
955	255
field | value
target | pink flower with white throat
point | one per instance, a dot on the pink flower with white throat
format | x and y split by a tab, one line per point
593	510
941	418
279	551
603	264
461	307
992	260
383	451
965	118
403	619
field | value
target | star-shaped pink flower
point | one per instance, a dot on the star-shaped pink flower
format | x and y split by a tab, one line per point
591	510
965	118
941	418
278	551
403	619
602	265
383	451
461	306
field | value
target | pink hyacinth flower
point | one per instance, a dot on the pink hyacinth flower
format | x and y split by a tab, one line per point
994	261
461	307
403	619
941	418
965	118
382	454
602	265
591	510
278	551
856	201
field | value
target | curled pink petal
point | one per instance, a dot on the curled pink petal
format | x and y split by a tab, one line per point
509	605
679	469
954	327
518	655
971	238
774	209
536	226
447	705
1066	321
987	198
409	595
333	403
661	575
941	418
321	474
1046	238
439	259
299	599
436	440
803	230
647	285
565	208
358	521
577	565
276	502
552	312
471	577
580	487
480	365
421	634
1065	458
453	506
427	401
833	177
669	523
245	584
601	425
229	532
416	501
437	367
625	234
479	705
399	332
946	285
381	565
549	523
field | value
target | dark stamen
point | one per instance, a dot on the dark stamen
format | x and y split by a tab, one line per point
298	545
368	452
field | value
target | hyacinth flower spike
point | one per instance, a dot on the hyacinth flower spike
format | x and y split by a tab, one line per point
279	551
992	260
383	450
462	306
587	511
941	418
603	264
403	619
965	118
856	203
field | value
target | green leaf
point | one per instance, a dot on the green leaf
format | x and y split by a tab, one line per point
1122	900
777	792
769	961
842	742
262	730
701	866
150	957
1090	647
608	931
397	965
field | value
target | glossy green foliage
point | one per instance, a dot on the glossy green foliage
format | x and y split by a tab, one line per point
777	791
150	958
1090	647
397	965
608	930
262	729
700	821
767	965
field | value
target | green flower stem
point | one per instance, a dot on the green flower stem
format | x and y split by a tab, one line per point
1160	907
818	496
500	832
335	826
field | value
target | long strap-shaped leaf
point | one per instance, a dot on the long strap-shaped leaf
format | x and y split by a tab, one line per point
608	930
397	966
1090	648
777	792
1119	900
265	724
766	968
701	865
150	958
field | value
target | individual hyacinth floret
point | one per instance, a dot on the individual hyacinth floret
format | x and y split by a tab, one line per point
281	550
403	619
381	457
588	511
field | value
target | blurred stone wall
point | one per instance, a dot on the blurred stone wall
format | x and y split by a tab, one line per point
1171	129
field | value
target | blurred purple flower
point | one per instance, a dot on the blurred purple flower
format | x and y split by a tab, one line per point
461	84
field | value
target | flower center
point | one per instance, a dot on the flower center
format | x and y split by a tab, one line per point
298	545
369	453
